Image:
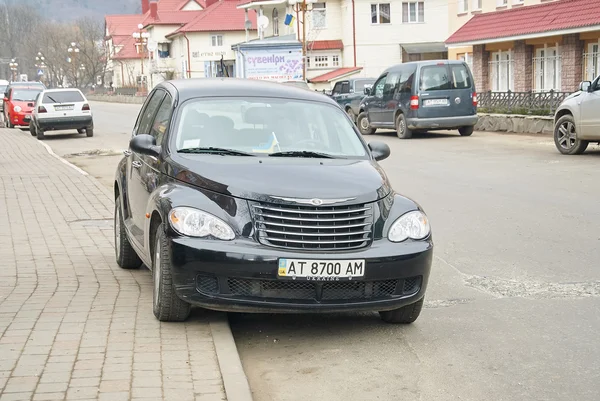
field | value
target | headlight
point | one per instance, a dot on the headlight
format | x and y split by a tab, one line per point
414	225
196	223
18	108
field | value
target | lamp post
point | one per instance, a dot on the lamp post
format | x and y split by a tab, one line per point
13	67
40	65
141	40
73	51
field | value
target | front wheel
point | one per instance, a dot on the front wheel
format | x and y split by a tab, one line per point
565	137
166	305
405	315
466	131
363	124
351	114
402	129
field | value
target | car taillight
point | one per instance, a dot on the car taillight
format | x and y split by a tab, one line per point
85	107
414	102
42	109
475	99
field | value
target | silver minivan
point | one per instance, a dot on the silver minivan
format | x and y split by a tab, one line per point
421	96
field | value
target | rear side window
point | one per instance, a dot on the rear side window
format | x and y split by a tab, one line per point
460	76
434	77
63	97
360	85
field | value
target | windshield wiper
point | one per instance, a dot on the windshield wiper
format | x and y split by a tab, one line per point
302	153
51	98
217	151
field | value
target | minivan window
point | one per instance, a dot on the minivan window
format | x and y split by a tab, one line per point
360	85
378	87
391	83
460	76
63	97
435	77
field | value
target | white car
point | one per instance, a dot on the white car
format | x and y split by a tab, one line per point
61	109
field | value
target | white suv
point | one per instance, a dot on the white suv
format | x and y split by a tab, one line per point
61	109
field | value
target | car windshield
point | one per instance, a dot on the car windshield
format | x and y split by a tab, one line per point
266	126
62	97
25	95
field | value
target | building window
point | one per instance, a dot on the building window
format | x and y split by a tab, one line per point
163	50
275	18
308	62
502	71
216	40
477	5
591	62
319	16
413	12
546	65
501	3
322	61
335	61
518	1
467	58
380	13
463	6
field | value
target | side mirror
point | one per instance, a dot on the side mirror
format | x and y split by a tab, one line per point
367	91
380	150
585	86
144	144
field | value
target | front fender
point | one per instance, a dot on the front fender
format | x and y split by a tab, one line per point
121	185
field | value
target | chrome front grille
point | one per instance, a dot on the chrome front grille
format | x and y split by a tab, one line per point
313	227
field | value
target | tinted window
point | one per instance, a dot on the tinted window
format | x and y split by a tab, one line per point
337	88
460	77
406	81
378	87
435	77
147	116
345	87
162	119
63	97
25	95
391	83
360	85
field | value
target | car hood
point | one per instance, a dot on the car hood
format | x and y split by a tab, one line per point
258	178
22	105
573	96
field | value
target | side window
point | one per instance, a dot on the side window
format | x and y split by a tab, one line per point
405	84
337	89
162	119
391	84
378	91
346	87
147	116
460	77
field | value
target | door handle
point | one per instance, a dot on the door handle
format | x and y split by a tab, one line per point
127	153
136	164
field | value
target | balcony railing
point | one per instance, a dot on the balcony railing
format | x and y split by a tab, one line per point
591	66
535	103
547	73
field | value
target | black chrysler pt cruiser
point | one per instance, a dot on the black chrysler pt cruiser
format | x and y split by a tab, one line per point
250	196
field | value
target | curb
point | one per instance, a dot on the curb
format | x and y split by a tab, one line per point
234	379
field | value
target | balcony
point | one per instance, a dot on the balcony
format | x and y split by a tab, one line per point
162	64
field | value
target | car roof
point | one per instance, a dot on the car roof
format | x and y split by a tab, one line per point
62	90
239	87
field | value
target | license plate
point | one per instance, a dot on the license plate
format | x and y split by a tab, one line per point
321	270
435	102
61	108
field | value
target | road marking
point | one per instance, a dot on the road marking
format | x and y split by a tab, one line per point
49	149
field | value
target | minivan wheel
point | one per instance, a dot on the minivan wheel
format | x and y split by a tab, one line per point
565	137
402	128
167	306
351	114
124	252
466	131
405	315
363	125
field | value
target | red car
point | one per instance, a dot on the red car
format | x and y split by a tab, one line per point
19	101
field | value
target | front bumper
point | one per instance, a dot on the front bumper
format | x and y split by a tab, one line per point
442	122
65	123
241	276
20	119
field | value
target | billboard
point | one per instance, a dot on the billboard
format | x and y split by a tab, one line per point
273	64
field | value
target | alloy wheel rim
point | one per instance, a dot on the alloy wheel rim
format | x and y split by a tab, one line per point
118	233
364	124
156	271
401	126
566	135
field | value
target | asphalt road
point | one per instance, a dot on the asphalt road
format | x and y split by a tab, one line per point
512	306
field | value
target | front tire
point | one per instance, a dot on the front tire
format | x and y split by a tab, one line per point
32	129
351	114
167	306
124	252
405	315
363	125
466	131
8	122
402	127
565	137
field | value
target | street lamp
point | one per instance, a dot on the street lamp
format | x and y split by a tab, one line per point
141	40
13	67
73	51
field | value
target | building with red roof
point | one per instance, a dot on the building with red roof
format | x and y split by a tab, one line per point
551	45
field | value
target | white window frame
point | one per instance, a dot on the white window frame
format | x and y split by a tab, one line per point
591	62
463	6
319	13
378	13
547	69
214	40
477	5
406	12
502	71
518	1
501	3
323	61
467	58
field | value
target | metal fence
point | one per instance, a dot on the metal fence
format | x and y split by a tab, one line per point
539	103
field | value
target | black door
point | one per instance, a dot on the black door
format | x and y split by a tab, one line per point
375	102
389	102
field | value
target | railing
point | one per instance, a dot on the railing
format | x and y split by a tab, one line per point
547	73
537	103
591	66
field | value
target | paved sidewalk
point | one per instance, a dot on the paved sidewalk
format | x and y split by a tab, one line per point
73	325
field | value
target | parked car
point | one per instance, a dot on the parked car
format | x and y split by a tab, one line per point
61	109
18	103
421	96
281	208
3	86
577	121
349	93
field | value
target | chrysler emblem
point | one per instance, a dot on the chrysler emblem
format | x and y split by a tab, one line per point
316	202
457	100
313	201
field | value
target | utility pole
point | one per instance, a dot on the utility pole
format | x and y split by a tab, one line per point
304	40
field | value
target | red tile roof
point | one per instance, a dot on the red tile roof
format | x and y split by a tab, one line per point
171	18
128	51
175	5
541	18
122	25
220	16
330	76
326	45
